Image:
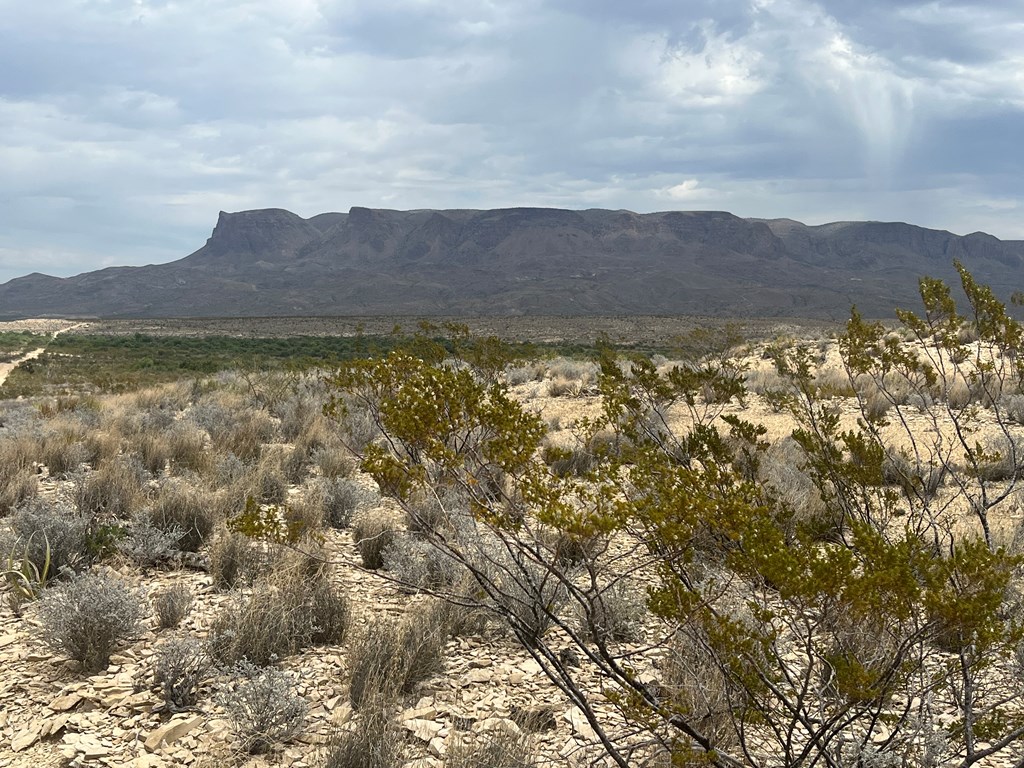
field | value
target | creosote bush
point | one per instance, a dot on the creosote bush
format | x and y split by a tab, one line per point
89	617
700	507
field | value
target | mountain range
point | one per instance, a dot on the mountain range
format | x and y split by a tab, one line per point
528	261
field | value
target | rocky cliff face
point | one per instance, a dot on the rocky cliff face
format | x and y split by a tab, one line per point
527	261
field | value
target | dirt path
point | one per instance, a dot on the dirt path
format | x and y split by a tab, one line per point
7	368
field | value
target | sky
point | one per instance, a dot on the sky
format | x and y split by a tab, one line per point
127	125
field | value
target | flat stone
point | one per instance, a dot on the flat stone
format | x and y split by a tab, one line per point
424	730
170	732
420	713
575	717
477	676
26	738
437	747
497	724
65	702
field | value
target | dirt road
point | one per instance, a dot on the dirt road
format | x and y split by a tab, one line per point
6	368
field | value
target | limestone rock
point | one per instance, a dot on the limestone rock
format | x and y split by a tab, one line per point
424	730
170	732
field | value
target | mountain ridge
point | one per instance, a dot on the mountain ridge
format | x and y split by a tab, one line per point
516	261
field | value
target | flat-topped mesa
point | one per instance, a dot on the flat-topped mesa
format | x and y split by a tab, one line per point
529	261
270	234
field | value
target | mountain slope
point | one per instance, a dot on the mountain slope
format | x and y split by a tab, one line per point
527	261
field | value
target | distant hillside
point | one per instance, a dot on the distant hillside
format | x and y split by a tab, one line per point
526	261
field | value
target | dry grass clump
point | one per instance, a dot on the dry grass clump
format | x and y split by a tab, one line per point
63	449
236	559
391	658
374	741
293	607
172	605
18	453
17	488
342	498
114	490
614	614
419	564
269	481
782	470
373	531
186	449
497	748
1002	460
916	479
232	427
333	460
694	683
181	507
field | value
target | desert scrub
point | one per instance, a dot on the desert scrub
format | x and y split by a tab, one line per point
374	742
179	506
171	605
50	535
236	559
293	608
614	614
146	545
262	705
373	531
89	617
179	667
341	498
418	564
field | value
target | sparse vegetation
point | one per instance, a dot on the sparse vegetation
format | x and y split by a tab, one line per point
262	705
747	576
171	606
89	616
179	668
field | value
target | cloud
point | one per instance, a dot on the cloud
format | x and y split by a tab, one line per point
128	124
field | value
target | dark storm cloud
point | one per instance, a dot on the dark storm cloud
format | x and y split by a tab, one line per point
128	124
